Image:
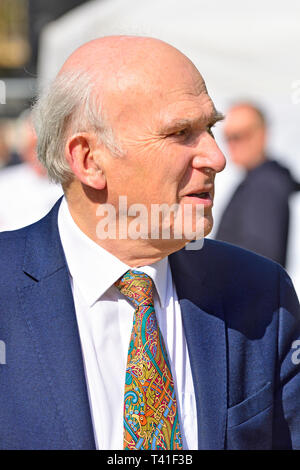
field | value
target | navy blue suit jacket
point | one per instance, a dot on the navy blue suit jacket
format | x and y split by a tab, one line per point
240	316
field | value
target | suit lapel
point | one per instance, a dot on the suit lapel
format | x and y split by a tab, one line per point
47	302
204	327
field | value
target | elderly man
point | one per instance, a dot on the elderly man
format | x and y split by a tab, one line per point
257	216
122	338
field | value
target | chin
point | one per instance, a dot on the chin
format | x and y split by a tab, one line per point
205	227
208	225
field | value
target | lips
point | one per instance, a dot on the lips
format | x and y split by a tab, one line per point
204	195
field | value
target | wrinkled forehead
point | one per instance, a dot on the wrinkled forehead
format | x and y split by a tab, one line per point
138	77
155	88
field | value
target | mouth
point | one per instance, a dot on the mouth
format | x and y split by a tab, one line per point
204	195
204	198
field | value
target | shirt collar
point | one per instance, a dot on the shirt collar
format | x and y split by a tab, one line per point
93	268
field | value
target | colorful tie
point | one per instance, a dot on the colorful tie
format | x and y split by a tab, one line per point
150	409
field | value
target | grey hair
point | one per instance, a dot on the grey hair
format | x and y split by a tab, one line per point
66	108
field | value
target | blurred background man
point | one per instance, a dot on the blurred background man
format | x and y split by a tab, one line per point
26	194
8	155
257	215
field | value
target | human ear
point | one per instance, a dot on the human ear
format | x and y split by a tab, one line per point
83	160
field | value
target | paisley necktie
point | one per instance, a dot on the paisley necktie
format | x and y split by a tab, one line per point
150	408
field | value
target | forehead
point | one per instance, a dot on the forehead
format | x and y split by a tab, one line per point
184	106
160	96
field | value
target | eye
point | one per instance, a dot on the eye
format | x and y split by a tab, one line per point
180	133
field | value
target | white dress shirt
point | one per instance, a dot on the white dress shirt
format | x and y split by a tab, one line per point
105	319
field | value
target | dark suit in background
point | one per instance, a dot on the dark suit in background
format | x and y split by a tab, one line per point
257	216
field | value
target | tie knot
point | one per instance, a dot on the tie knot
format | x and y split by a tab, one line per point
137	287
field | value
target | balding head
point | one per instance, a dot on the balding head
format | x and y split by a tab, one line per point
128	70
123	60
98	83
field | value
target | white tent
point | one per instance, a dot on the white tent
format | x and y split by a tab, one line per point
243	50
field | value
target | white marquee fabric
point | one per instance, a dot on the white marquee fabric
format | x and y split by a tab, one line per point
243	49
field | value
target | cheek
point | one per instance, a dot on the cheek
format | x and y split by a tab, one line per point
151	168
184	175
175	162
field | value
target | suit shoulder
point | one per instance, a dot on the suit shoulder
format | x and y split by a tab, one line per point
235	253
12	251
12	245
245	281
228	252
232	258
271	176
228	265
12	238
10	235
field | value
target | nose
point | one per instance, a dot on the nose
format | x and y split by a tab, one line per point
209	157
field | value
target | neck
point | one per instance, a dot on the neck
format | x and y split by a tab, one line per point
134	253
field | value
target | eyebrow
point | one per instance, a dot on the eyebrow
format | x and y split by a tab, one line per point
210	120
